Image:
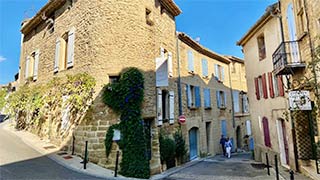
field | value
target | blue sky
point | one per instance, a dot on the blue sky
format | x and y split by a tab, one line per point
218	23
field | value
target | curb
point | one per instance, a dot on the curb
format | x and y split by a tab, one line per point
176	169
52	156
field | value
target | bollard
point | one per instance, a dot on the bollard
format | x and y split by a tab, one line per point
85	156
73	139
268	166
276	165
291	175
116	168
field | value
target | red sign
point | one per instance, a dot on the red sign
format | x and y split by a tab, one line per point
182	119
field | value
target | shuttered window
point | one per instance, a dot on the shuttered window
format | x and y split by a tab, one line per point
224	127
267	140
57	56
193	96
190	61
26	75
216	72
204	68
271	89
170	69
222	73
207	98
189	98
221	99
264	86
256	84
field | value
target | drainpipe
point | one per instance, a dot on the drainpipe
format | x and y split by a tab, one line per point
179	78
232	106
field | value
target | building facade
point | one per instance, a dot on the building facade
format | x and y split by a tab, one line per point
282	43
102	38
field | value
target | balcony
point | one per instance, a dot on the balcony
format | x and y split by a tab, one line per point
287	58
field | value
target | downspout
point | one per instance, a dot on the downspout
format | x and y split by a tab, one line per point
179	77
231	91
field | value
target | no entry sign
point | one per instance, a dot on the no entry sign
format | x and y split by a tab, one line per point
182	118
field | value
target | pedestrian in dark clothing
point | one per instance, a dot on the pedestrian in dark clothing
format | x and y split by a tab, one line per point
223	142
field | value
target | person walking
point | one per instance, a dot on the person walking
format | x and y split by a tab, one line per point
223	142
228	146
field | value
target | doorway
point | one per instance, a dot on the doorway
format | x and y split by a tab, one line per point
238	133
208	127
283	142
193	143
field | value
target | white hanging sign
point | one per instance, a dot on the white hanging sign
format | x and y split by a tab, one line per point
299	100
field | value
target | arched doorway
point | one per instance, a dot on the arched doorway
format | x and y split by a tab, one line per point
193	143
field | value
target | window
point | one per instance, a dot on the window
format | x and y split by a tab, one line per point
260	86
193	96
64	54
190	62
224	128
261	47
221	99
267	140
207	98
149	19
245	103
113	79
219	72
275	85
204	68
164	68
31	68
165	106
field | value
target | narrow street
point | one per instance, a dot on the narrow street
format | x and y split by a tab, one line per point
239	167
19	161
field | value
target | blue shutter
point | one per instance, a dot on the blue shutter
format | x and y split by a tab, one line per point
225	98
218	98
190	61
216	71
197	94
236	104
204	68
188	93
207	98
223	127
222	74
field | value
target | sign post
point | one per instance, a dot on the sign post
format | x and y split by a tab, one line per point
299	100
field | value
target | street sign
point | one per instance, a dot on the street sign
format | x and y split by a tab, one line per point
299	100
182	118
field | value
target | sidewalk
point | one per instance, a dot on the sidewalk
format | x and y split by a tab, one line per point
69	161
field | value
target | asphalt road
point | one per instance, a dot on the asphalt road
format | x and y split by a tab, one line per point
19	161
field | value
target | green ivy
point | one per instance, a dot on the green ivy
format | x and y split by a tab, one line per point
34	101
125	98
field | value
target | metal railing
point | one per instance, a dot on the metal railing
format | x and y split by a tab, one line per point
287	53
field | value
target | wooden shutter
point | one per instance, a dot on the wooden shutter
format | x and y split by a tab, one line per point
280	86
267	140
188	92
57	56
170	70
271	89
225	98
222	74
256	84
159	106
204	68
36	64
216	71
190	61
71	38
207	98
264	86
27	67
218	98
198	97
171	107
236	103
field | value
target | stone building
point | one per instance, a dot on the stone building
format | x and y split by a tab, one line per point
102	38
281	43
241	113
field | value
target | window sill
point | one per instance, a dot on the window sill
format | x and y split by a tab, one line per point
193	108
207	108
222	108
191	72
302	35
